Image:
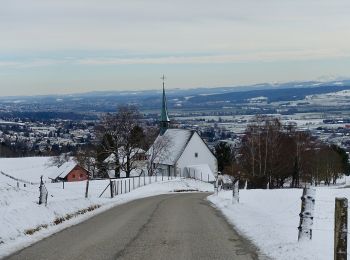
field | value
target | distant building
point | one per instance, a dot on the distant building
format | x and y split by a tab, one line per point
69	172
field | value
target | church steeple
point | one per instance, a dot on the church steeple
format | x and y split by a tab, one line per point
164	118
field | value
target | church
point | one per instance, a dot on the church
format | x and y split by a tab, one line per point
180	152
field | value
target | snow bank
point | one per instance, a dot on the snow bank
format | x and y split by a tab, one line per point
270	219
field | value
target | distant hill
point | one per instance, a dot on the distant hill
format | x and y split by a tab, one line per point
89	105
272	95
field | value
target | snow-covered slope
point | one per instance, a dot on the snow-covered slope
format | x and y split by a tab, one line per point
270	219
28	168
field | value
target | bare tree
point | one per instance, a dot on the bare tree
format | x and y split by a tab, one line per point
59	160
158	152
87	158
121	134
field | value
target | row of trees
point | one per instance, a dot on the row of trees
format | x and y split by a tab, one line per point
272	153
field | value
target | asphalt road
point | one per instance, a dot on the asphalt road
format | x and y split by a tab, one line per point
177	226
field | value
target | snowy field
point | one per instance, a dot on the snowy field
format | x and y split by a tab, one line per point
28	168
270	219
21	214
267	217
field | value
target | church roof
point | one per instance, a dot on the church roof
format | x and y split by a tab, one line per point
63	170
175	141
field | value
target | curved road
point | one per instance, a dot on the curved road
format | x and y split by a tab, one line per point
176	226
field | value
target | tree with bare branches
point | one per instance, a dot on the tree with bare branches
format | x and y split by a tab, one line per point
121	135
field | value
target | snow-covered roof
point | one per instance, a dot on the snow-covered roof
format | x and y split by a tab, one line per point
63	170
175	141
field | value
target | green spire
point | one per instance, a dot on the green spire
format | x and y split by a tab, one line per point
164	118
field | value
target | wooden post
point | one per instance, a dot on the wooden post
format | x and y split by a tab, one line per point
125	186
340	228
117	187
129	184
144	179
201	177
121	186
111	188
63	184
133	183
139	182
306	213
41	190
235	192
87	188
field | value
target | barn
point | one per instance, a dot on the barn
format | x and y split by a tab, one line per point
69	172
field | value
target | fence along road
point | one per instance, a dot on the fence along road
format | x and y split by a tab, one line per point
176	226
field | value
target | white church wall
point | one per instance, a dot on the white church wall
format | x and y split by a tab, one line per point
197	146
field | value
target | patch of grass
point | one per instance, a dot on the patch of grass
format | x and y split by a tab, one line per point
60	220
186	190
33	230
72	215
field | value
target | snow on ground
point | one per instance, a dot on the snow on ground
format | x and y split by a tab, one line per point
270	219
19	209
28	168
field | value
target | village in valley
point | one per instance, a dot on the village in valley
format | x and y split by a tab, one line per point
91	165
174	130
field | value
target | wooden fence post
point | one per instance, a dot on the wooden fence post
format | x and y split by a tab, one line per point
129	184
306	213
117	187
111	188
235	192
340	228
87	188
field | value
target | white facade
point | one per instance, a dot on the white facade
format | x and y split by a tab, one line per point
197	153
187	155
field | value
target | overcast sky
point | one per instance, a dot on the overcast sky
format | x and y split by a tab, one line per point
66	46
